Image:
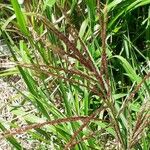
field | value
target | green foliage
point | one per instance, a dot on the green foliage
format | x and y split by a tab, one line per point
80	59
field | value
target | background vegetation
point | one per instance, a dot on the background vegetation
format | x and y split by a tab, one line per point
85	64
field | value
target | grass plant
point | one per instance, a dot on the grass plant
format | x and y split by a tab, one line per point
86	67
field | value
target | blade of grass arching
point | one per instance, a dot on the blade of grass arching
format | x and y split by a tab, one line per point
113	4
141	3
132	5
20	17
136	63
5	5
112	22
7	22
128	68
126	6
135	48
11	139
8	72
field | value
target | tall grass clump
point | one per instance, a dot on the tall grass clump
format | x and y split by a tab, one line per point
85	65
